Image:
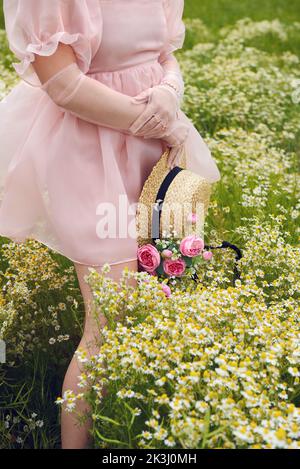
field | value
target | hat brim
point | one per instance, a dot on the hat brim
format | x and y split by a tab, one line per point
178	200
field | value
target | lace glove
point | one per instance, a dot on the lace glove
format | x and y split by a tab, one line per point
162	109
175	155
90	99
176	135
172	74
94	102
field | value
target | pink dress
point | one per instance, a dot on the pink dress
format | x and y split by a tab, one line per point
56	170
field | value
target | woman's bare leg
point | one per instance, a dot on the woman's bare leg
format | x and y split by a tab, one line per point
73	435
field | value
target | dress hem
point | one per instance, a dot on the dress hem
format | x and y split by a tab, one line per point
69	258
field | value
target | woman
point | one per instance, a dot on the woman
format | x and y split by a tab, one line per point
98	104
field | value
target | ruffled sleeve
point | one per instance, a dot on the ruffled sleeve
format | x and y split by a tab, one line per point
37	27
175	25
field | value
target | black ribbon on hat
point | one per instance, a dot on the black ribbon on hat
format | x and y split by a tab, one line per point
156	217
160	197
226	244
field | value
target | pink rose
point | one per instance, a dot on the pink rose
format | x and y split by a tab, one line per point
166	253
191	246
192	217
207	255
166	289
148	257
175	268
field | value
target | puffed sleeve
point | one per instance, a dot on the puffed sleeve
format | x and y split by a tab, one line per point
175	25
37	27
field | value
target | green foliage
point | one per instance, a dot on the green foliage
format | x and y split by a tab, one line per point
205	368
1	15
215	366
41	323
211	366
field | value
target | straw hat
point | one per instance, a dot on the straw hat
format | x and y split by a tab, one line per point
168	199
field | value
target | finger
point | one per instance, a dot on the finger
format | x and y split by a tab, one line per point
162	123
175	156
141	120
180	154
171	158
165	114
158	131
179	139
172	140
149	126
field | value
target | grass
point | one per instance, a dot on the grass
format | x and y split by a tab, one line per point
231	132
1	15
218	13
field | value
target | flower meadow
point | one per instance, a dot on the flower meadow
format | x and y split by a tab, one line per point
206	364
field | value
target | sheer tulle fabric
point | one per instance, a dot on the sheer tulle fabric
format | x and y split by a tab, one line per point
37	27
175	26
57	170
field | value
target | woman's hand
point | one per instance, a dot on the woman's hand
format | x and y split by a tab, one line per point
160	119
174	155
175	137
176	133
161	110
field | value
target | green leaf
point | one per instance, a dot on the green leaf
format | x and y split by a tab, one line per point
188	261
109	440
160	269
107	419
